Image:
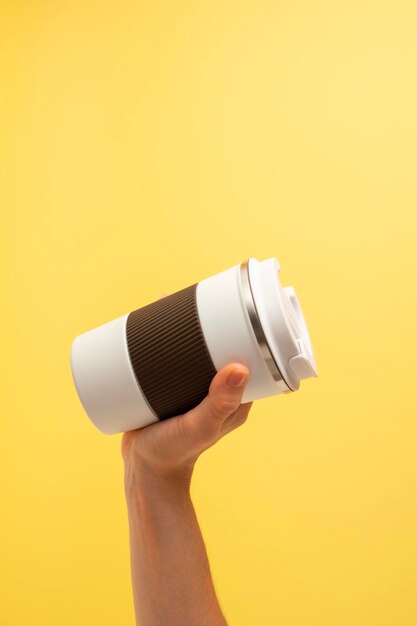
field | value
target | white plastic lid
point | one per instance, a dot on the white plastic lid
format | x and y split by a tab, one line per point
283	322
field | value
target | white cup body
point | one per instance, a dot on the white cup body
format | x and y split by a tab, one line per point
245	316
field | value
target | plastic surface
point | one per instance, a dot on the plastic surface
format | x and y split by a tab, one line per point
105	380
228	332
283	322
245	315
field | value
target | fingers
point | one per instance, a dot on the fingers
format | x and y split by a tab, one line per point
204	422
238	418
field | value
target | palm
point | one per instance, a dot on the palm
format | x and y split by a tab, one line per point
179	439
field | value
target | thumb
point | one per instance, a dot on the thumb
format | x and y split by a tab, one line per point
203	422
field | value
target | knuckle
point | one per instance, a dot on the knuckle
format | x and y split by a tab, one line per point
239	419
222	407
242	418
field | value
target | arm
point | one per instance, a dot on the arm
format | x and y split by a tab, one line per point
172	584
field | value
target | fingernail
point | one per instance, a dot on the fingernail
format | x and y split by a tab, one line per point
237	378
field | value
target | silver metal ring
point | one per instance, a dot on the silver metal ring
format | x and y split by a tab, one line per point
250	305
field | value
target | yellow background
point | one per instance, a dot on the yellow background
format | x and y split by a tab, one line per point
146	146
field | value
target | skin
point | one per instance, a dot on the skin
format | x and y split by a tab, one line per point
172	583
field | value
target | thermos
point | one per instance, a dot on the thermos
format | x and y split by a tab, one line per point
158	361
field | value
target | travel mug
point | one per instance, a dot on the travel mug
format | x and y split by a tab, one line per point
158	361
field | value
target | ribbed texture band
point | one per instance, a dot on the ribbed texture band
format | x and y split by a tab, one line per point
168	353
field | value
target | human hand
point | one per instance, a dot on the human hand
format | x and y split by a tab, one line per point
169	449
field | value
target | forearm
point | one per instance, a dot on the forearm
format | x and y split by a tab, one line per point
172	583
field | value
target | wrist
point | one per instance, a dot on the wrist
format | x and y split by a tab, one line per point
140	478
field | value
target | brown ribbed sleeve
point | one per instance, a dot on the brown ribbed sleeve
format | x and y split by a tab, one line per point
168	353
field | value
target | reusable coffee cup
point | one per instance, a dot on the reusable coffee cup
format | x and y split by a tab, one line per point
158	361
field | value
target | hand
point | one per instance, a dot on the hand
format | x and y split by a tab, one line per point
169	449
